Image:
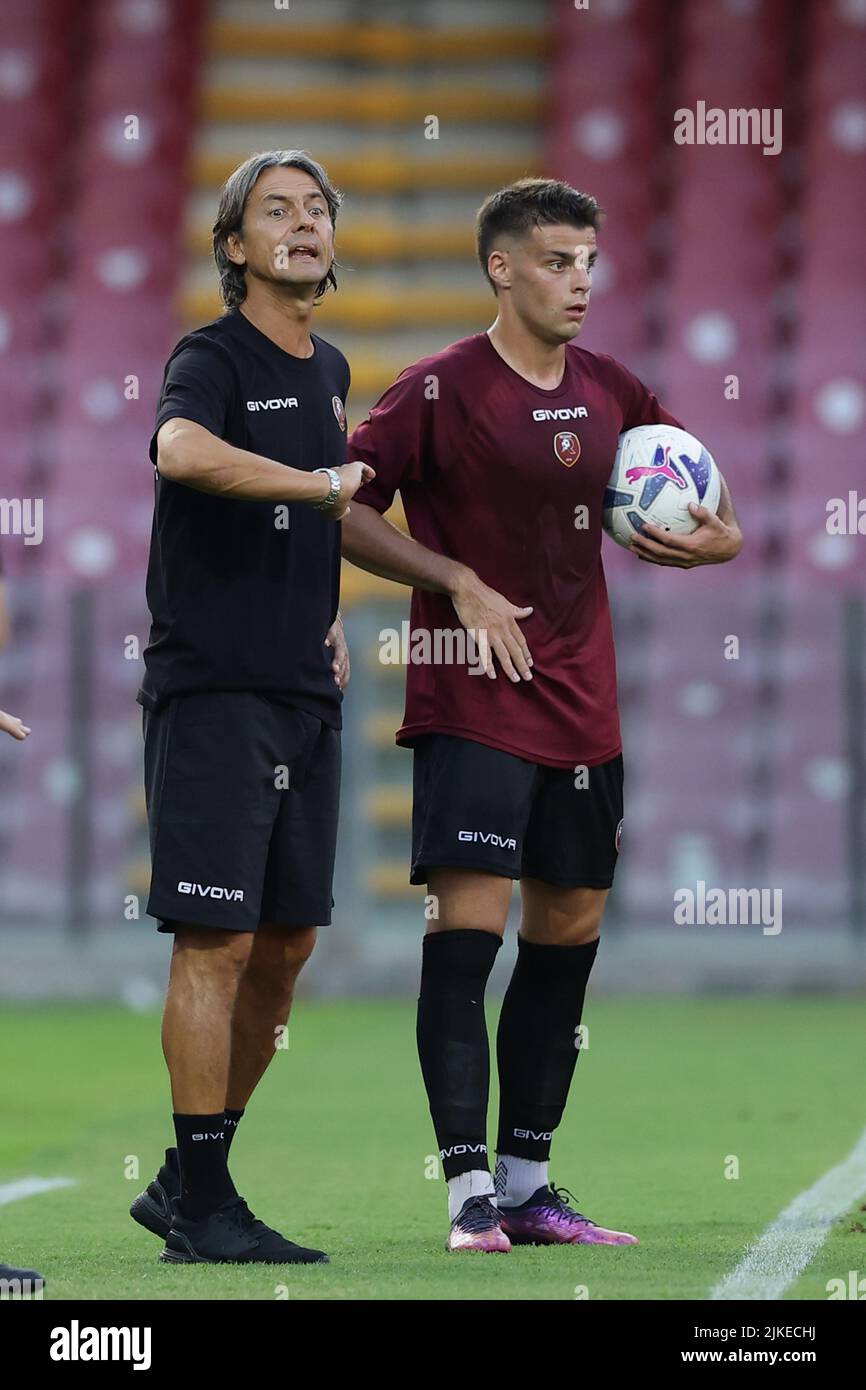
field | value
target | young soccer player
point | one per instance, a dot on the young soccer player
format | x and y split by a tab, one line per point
496	444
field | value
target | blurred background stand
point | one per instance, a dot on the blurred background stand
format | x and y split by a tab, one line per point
731	281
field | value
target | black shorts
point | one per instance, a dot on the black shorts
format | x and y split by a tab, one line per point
243	795
479	808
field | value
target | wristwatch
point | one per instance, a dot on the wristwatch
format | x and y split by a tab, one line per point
336	487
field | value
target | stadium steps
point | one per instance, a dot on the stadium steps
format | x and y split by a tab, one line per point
376	44
389	880
384	170
368	129
391	674
137	878
389	805
373	103
357	586
380	727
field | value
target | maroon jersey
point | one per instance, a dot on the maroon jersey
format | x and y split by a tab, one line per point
509	479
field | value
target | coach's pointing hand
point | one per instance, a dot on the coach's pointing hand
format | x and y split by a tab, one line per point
490	616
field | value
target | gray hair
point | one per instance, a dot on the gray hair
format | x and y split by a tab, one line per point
230	215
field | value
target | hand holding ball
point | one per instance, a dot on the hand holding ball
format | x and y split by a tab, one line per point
657	472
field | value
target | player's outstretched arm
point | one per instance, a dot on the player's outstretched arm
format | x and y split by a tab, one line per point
190	454
9	724
718	538
5	624
374	544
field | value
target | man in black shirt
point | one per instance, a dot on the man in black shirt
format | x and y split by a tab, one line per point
243	679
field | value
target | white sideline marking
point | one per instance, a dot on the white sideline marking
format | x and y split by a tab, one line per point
790	1242
28	1187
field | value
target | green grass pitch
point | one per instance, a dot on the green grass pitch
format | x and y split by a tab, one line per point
335	1151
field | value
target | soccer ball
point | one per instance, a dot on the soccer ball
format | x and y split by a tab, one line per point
657	472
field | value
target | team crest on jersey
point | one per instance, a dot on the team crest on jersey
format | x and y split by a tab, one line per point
617	839
566	446
339	411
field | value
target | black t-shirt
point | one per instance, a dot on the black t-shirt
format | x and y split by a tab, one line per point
242	594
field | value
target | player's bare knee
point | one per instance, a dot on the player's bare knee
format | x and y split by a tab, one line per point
236	951
568	917
275	964
286	947
211	949
581	933
461	900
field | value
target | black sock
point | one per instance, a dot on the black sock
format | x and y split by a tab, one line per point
452	1043
204	1176
536	1043
233	1119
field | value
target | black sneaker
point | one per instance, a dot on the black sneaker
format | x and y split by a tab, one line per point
231	1235
23	1276
478	1226
152	1208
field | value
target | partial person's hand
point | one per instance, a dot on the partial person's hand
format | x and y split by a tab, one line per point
9	724
352	476
490	616
713	543
341	666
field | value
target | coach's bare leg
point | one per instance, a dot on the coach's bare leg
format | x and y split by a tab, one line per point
206	965
468	900
263	1004
560	916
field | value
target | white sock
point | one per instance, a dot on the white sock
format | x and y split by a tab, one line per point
518	1178
476	1183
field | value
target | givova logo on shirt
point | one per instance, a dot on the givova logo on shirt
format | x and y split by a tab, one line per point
278	403
562	412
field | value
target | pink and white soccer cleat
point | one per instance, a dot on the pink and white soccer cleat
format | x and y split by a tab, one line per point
478	1226
547	1219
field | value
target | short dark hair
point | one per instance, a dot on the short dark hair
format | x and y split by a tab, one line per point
529	203
230	214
